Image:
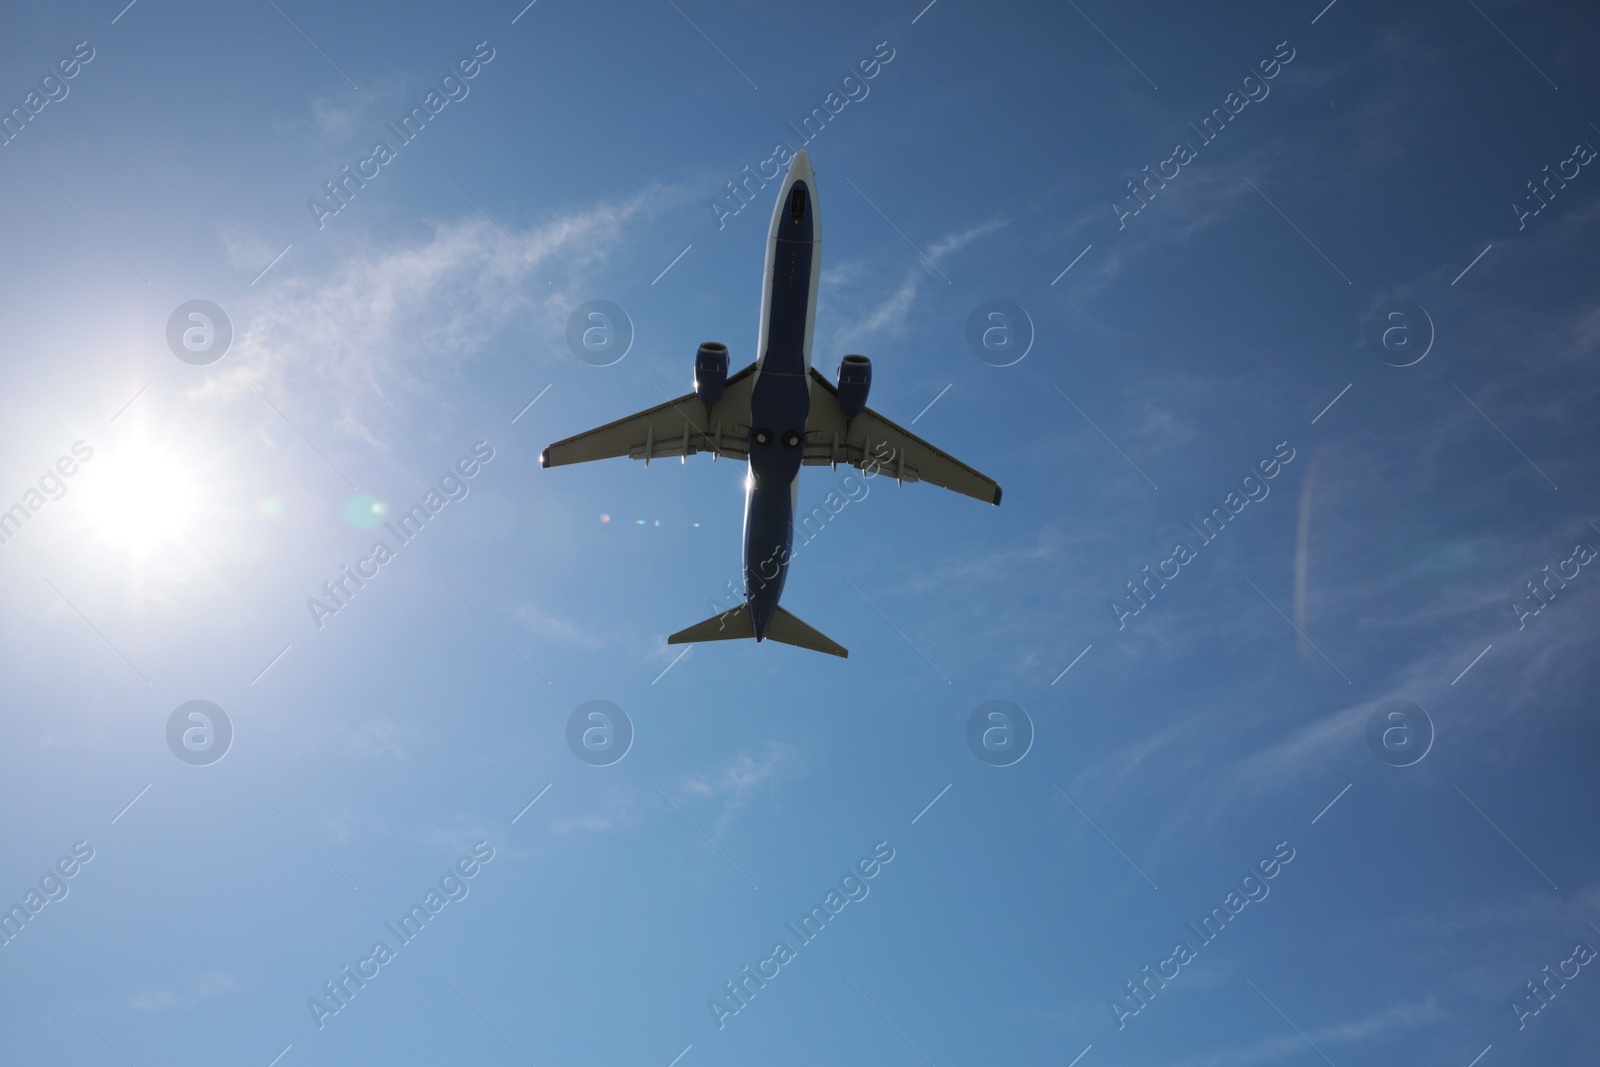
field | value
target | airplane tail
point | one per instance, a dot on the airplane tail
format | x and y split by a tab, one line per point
735	623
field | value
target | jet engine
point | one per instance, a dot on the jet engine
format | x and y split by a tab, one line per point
710	372
855	379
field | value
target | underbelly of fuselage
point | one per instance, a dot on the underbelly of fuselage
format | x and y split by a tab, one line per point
780	404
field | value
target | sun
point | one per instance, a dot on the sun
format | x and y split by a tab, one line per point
140	497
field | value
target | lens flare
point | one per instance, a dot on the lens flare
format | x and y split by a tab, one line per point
364	512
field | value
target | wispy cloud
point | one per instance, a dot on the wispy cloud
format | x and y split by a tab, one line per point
211	984
887	315
344	116
380	330
551	628
615	811
1399	1019
736	781
955	242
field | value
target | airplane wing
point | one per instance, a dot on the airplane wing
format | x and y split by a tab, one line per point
680	427
899	453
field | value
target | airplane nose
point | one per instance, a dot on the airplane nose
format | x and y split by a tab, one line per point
803	204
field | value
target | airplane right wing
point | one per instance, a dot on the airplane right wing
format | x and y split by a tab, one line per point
869	439
680	427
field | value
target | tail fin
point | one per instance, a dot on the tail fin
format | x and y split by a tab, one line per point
735	623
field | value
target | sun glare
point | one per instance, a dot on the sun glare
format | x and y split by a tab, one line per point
141	498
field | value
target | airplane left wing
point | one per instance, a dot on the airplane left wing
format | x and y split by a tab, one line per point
869	439
680	427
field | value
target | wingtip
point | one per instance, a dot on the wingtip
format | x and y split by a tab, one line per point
997	496
544	460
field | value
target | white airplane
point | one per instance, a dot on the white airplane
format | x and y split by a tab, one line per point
778	414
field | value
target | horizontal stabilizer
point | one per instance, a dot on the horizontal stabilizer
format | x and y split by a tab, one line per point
731	624
791	631
735	623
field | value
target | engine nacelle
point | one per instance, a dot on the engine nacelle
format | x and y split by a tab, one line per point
855	380
710	372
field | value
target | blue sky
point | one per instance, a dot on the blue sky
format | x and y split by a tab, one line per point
1236	319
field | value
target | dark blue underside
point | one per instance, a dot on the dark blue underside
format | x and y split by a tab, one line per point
779	407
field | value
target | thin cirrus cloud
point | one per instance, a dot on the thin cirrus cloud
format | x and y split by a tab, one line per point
1389	1022
889	316
736	781
209	985
616	810
357	346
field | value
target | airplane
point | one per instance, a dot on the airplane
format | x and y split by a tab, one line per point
779	415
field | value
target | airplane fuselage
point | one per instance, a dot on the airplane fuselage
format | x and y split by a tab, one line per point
781	398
